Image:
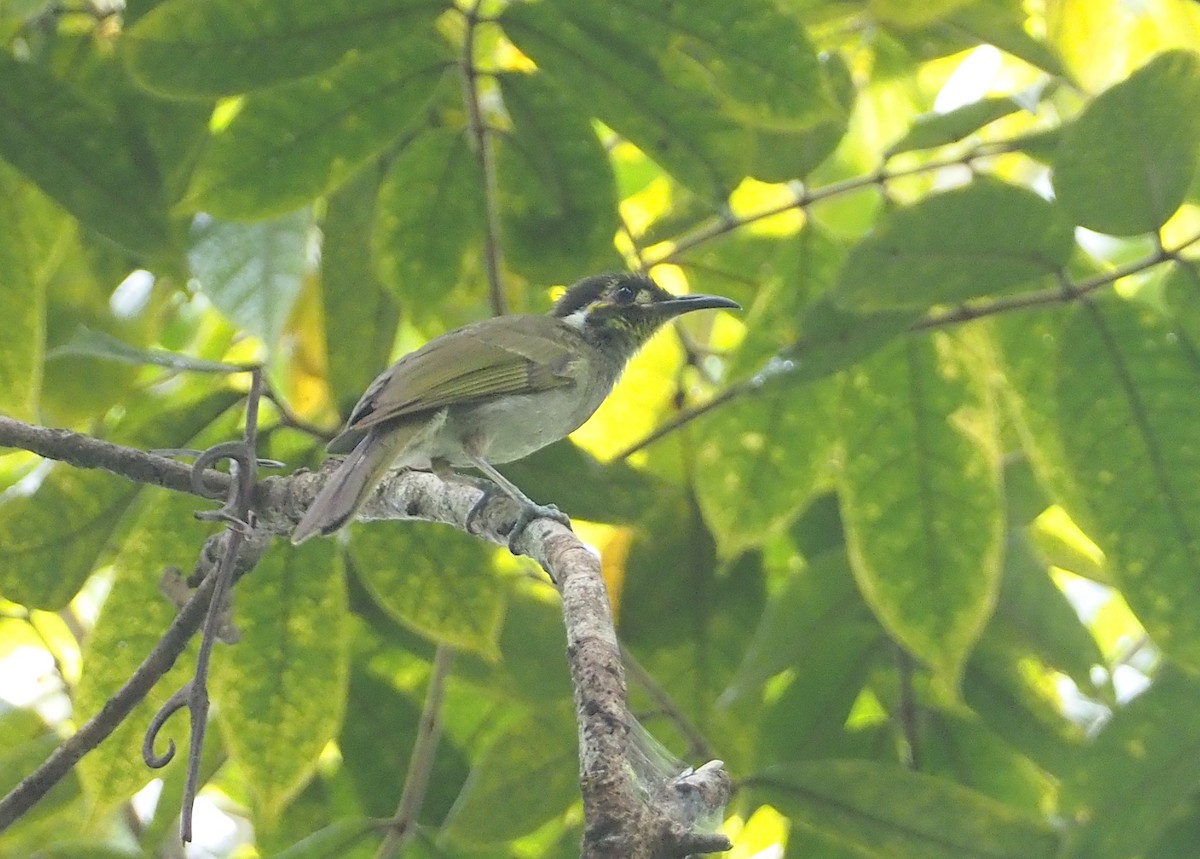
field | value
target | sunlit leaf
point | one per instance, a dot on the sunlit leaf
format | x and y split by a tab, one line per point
253	272
920	489
281	692
221	47
80	157
132	620
290	144
940	250
1129	424
884	810
437	582
51	540
1143	137
938	129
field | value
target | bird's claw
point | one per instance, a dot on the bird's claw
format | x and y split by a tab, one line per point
528	512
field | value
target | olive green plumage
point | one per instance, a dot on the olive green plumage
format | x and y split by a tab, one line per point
495	391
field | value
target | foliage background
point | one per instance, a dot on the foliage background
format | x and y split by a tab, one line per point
923	570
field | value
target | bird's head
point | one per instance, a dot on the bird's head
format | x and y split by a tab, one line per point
624	308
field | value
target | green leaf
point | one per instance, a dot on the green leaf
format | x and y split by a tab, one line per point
941	250
97	344
816	603
429	213
558	196
290	144
25	743
222	47
132	620
1127	785
611	59
333	841
939	129
914	13
1143	137
281	692
445	587
920	490
783	156
886	811
528	776
584	487
253	273
1035	615
752	57
956	747
760	458
1017	707
80	156
360	314
378	770
23	299
833	338
51	540
1129	428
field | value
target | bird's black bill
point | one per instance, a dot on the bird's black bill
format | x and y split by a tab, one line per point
687	303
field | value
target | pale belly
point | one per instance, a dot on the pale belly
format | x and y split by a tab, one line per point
506	429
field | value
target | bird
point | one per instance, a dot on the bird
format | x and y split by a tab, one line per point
495	391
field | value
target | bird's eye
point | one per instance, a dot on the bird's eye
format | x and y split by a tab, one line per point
624	294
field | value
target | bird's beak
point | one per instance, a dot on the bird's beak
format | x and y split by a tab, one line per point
687	303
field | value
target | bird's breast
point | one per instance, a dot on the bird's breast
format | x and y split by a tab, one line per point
514	426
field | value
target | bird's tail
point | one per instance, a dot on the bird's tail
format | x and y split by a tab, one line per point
348	487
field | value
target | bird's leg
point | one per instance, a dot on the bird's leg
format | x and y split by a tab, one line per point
530	510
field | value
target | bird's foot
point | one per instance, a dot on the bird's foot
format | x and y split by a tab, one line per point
528	511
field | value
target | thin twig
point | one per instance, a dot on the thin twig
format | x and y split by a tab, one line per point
726	222
493	257
238	514
1060	294
908	713
420	765
159	661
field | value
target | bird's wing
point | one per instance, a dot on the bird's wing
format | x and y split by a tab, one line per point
485	360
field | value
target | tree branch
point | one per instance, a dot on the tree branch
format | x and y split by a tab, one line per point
487	164
623	819
85	451
34	786
420	765
1063	294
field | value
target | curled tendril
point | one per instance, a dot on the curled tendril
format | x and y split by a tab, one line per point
176	702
